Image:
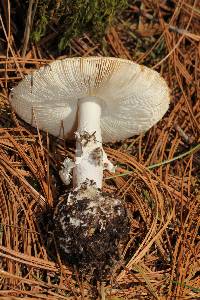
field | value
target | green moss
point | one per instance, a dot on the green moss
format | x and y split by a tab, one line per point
71	19
41	29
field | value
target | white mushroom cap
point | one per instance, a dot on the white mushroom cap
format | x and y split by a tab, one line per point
133	98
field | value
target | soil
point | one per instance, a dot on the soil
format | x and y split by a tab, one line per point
91	227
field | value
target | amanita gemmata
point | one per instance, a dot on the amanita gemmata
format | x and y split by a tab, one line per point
95	99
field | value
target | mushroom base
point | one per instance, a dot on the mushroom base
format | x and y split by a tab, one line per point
91	227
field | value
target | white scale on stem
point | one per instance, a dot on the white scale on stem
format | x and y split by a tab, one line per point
90	160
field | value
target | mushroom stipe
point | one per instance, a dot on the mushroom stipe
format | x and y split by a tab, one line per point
96	99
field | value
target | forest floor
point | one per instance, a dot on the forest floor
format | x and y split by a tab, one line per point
158	173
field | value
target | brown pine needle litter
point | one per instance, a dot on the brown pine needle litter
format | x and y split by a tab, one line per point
157	175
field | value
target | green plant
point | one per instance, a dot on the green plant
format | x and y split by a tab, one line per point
73	18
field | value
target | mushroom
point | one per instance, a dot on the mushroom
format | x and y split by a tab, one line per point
97	99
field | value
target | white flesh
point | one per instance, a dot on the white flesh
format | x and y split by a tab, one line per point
89	152
90	158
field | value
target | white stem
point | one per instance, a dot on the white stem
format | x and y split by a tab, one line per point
90	158
89	151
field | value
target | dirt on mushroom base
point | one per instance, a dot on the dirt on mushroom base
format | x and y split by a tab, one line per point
91	228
